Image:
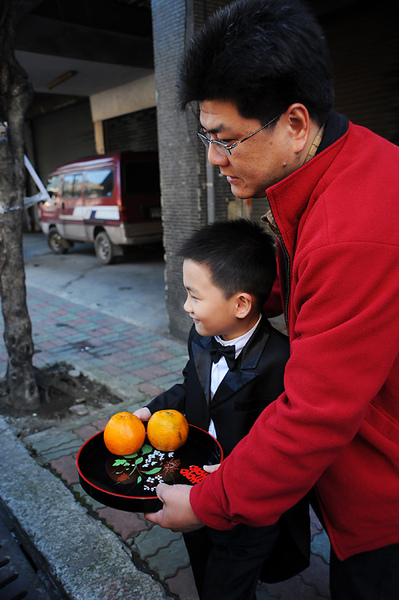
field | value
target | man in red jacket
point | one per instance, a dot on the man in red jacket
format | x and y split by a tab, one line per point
261	72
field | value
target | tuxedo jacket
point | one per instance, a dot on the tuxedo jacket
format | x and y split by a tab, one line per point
255	381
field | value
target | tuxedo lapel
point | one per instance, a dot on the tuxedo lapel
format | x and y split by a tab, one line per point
202	361
244	371
252	352
231	384
247	362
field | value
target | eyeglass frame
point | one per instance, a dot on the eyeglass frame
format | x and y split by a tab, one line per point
222	147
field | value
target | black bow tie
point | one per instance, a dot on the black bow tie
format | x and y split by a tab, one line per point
229	352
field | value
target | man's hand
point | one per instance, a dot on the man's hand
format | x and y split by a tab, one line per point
211	468
176	513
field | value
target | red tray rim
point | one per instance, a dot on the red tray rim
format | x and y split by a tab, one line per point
99	433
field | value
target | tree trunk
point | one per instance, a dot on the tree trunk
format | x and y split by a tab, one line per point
15	97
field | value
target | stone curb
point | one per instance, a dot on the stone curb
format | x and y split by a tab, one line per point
84	558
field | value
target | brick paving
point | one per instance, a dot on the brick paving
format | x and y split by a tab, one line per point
135	364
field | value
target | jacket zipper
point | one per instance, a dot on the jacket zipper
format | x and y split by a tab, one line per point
269	218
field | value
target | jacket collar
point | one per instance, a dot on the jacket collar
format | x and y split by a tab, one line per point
245	369
289	198
249	357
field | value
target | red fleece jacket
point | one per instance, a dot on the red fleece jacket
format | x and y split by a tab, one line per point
337	424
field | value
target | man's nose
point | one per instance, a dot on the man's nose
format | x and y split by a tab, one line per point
216	158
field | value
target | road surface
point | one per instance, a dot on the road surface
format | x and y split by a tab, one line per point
133	288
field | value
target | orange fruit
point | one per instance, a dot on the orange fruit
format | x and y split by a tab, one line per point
124	433
167	430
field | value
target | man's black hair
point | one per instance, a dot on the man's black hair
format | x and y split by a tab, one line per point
262	55
240	255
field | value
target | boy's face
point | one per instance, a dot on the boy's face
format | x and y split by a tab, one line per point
207	305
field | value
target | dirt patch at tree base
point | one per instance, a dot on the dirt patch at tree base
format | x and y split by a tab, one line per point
65	394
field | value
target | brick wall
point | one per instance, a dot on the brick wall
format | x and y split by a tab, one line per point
135	131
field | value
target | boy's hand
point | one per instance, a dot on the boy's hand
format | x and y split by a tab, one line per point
176	513
143	413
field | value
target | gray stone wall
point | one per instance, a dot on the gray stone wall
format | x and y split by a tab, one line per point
182	154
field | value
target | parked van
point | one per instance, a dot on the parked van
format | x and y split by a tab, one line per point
112	200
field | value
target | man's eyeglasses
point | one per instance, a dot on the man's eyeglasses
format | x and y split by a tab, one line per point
224	148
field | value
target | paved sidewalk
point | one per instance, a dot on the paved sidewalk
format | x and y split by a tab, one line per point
135	364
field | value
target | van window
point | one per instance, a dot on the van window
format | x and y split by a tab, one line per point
99	184
141	178
72	186
52	185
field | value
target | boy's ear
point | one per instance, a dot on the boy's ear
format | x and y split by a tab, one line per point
243	304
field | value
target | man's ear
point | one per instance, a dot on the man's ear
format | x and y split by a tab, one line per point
300	125
243	304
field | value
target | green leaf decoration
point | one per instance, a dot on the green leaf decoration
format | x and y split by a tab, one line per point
153	471
119	462
146	449
139	478
131	455
139	460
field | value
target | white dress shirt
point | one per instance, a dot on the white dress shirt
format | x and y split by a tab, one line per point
220	369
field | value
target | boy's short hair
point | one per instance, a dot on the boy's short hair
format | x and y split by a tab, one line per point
240	255
262	55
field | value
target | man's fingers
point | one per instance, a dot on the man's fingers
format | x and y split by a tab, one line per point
160	488
176	513
211	468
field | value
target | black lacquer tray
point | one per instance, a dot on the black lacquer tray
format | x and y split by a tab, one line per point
128	482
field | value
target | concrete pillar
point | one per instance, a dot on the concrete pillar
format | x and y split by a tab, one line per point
99	137
182	154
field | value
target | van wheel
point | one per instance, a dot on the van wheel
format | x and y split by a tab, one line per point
57	243
104	248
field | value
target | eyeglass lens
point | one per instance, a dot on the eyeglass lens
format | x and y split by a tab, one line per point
218	145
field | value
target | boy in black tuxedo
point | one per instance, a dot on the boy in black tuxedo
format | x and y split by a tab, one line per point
235	369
